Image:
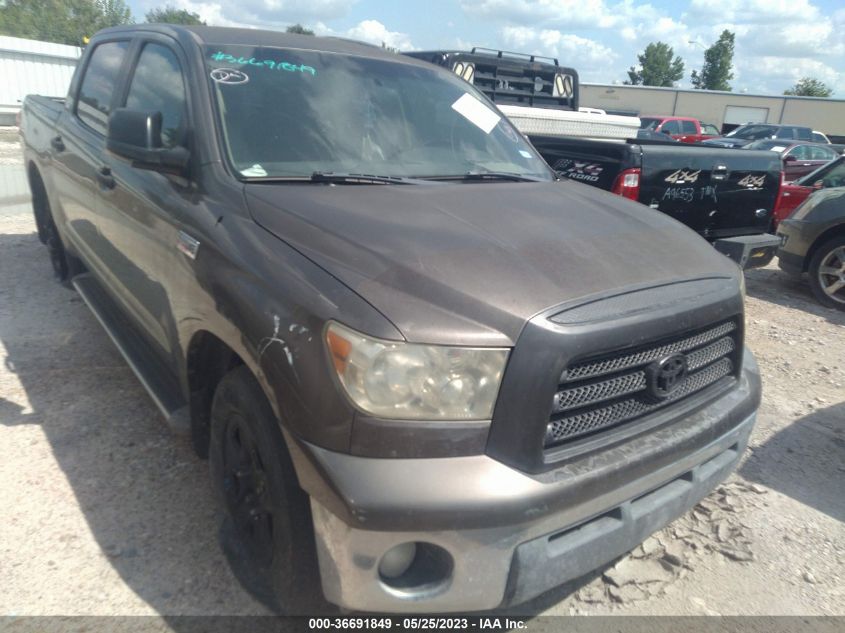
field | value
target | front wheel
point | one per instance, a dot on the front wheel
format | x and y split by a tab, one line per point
827	273
267	534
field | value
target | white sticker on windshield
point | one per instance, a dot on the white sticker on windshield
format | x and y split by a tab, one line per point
525	154
256	171
476	112
777	148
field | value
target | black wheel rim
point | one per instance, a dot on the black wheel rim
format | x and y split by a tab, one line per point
245	487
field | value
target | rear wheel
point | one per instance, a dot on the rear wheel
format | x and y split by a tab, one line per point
827	273
266	532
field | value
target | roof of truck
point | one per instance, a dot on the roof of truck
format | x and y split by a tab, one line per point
260	37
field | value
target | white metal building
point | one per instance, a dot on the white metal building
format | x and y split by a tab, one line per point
718	108
32	67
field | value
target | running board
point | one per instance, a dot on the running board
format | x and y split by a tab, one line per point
156	377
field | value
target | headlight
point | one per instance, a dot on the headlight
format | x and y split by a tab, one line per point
742	285
408	381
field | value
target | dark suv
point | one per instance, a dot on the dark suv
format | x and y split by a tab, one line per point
745	134
813	242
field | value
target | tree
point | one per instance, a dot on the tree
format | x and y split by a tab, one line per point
298	28
718	64
61	21
810	87
657	68
172	15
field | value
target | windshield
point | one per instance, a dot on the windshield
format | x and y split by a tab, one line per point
649	124
291	113
754	132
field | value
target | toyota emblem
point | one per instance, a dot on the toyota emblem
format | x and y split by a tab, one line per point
665	376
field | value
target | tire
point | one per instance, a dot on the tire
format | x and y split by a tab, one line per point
56	249
827	273
266	531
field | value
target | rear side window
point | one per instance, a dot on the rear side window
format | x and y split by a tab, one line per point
688	127
821	153
95	94
671	127
158	86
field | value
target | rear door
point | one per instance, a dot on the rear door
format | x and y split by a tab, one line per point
690	132
716	192
672	127
79	144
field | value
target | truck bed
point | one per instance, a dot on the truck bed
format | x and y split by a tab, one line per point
717	192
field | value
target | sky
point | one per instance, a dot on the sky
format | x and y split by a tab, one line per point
777	41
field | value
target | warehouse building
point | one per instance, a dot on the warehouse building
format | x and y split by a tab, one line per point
725	110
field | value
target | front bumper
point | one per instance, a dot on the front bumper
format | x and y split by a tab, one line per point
796	238
512	536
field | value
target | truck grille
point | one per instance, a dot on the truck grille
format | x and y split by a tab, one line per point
596	394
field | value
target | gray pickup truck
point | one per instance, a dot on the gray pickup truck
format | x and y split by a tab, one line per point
425	372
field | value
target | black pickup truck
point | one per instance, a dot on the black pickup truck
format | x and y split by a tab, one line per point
425	371
726	198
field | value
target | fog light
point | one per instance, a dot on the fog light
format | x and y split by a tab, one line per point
397	560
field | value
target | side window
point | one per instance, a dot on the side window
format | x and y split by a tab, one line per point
821	153
158	86
799	153
803	133
94	103
671	127
688	127
709	129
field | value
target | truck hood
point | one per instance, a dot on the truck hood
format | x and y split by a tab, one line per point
469	264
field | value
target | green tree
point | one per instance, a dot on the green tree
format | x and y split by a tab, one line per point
298	28
171	15
810	87
657	67
61	21
718	65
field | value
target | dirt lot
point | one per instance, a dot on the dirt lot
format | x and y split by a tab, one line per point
106	513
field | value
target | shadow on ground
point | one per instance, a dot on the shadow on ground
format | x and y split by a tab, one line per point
790	291
798	461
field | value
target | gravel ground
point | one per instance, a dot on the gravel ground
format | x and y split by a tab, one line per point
106	513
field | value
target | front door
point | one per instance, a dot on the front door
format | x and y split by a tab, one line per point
145	208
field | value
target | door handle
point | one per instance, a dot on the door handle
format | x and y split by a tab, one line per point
57	144
105	178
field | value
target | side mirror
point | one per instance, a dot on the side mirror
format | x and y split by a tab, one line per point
790	159
136	136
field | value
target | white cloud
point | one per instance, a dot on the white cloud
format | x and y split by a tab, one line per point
752	11
585	55
260	13
771	74
375	32
371	31
570	13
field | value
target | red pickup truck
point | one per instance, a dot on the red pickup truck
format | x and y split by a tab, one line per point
680	128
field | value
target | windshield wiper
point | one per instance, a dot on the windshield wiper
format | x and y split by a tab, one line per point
337	177
491	175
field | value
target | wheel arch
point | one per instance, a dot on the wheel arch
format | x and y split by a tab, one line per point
208	359
40	202
831	233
